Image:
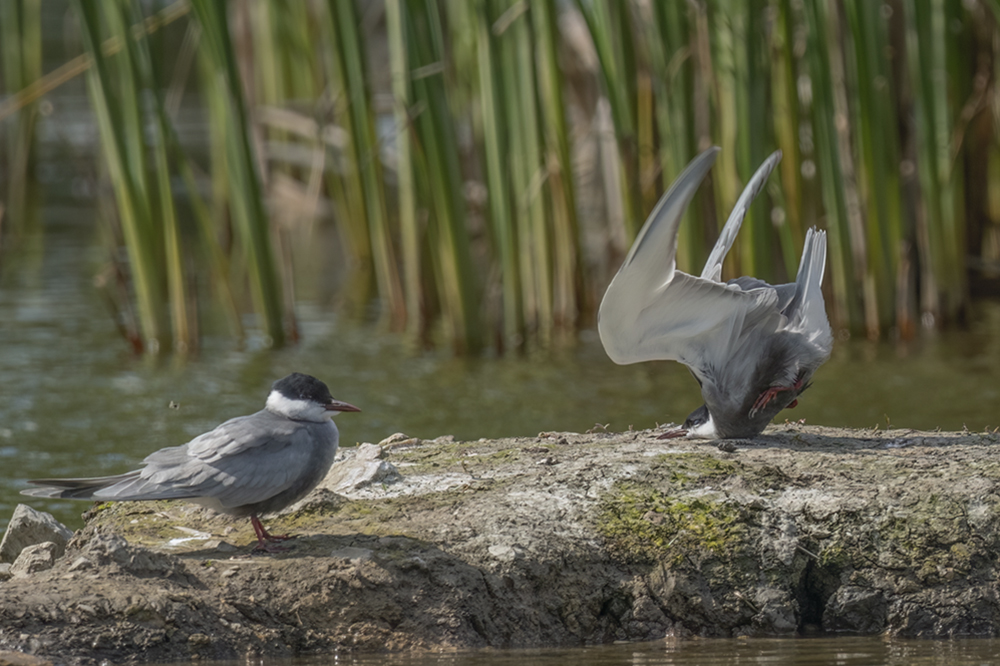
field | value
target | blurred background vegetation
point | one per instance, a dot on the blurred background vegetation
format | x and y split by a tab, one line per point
486	163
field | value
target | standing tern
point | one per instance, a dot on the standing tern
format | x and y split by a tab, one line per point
753	347
248	466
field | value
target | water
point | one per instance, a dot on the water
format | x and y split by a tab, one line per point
839	651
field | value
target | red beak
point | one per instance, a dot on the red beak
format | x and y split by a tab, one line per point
338	406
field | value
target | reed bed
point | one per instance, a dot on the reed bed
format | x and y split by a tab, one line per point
462	149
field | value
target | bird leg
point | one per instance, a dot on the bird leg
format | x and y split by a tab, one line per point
771	393
264	538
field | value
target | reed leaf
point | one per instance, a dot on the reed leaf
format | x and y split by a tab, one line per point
440	179
21	53
410	235
610	27
349	62
818	55
557	167
496	149
942	285
876	145
244	185
114	95
669	34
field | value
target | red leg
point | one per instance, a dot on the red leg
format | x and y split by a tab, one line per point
771	393
766	397
264	539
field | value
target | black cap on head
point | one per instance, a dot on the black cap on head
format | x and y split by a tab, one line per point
696	418
298	386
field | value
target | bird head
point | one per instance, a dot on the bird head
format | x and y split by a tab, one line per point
302	397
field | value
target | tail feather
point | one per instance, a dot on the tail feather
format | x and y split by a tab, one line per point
74	488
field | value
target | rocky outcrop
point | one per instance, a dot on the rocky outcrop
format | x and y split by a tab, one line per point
29	527
559	539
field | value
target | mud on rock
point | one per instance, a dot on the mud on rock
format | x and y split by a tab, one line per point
561	539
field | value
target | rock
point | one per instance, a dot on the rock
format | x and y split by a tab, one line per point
628	538
5	573
856	610
28	527
21	659
105	549
39	557
398	440
221	546
360	467
352	553
81	564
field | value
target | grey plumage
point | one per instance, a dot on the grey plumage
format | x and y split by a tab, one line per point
249	465
753	347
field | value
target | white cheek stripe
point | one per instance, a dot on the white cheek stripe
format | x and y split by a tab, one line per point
706	430
282	405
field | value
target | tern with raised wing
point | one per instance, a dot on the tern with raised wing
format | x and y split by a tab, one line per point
753	347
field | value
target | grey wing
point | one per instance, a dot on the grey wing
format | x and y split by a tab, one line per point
713	267
652	311
254	475
234	464
651	261
697	322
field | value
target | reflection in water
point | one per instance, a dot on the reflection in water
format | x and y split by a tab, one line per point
74	402
838	651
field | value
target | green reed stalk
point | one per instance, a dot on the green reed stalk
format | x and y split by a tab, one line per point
159	189
344	178
876	144
440	178
114	96
942	280
364	153
786	121
528	173
610	27
755	138
410	236
724	56
566	275
21	53
246	197
496	148
669	37
739	56
829	168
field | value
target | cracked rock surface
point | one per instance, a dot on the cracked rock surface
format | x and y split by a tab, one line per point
560	539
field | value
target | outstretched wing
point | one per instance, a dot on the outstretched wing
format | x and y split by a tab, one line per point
713	267
652	311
